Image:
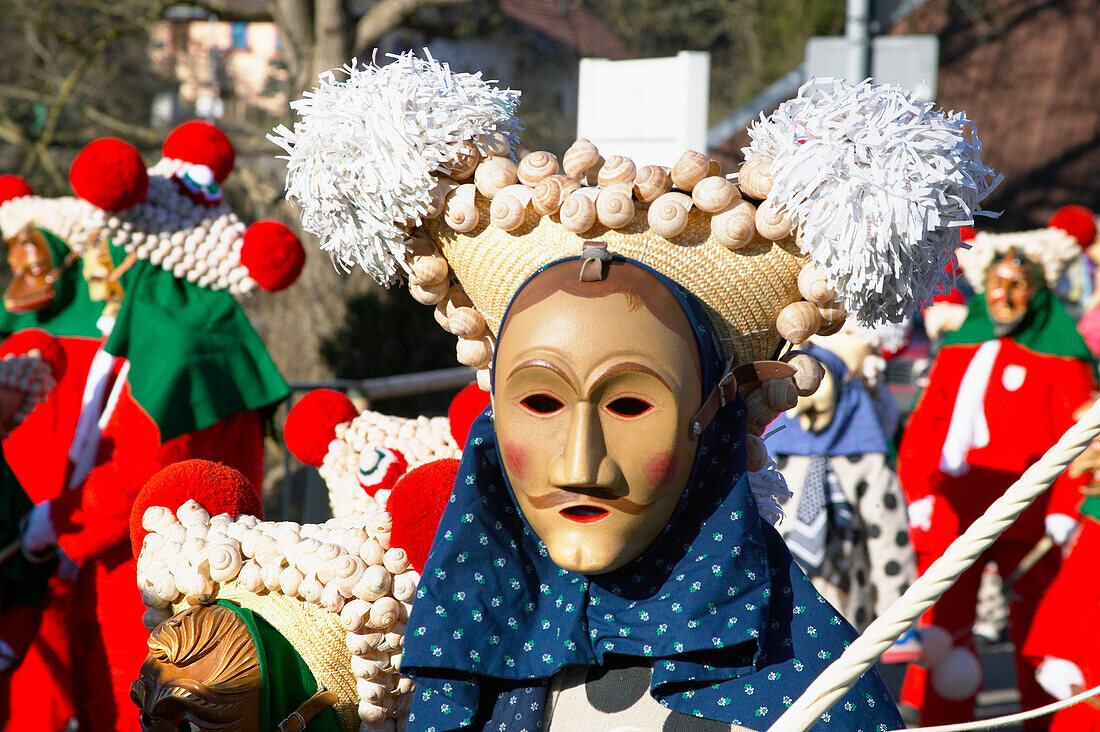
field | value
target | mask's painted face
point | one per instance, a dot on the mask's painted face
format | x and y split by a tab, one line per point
31	288
1010	289
593	398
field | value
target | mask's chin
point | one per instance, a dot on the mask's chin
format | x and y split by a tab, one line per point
575	554
1003	328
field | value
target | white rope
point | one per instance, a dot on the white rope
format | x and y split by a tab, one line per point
1009	718
843	673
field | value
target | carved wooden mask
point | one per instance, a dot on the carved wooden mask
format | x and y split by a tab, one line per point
596	384
202	668
31	264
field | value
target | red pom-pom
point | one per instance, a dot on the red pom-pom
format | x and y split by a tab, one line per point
33	338
967	232
13	186
217	488
311	423
467	406
201	143
952	296
272	254
417	504
1077	221
109	173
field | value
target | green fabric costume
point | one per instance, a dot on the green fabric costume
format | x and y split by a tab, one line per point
72	311
285	679
1046	328
194	356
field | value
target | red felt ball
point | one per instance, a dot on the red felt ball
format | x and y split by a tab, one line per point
417	504
33	338
953	296
201	143
110	174
217	488
467	406
311	423
1077	221
967	232
272	255
13	186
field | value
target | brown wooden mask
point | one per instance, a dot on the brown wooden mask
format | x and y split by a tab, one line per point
596	383
202	668
32	268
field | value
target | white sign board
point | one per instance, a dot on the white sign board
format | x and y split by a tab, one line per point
911	62
650	110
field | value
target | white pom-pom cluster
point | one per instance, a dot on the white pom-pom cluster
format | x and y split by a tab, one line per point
345	565
67	217
30	375
420	440
361	158
194	242
768	486
1052	249
878	186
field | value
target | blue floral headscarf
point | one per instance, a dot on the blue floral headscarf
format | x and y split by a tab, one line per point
854	430
732	628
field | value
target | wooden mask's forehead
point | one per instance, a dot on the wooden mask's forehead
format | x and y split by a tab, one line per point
641	288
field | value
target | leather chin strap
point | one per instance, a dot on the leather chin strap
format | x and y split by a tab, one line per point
725	392
307	710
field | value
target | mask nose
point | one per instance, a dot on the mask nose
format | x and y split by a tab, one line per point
584	461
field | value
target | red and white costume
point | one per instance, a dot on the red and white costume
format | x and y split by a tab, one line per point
989	412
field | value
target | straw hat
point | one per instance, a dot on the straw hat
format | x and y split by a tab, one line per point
406	170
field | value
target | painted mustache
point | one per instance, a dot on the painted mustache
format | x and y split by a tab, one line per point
561	497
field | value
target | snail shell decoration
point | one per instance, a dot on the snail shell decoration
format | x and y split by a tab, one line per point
580	156
651	182
344	578
668	215
578	213
689	170
755	179
615	207
535	167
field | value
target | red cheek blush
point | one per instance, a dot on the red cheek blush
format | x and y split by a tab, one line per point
516	459
661	468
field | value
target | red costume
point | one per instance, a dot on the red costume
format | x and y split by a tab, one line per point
103	608
1065	627
1029	401
179	375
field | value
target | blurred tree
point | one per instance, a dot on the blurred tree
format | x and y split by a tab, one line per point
71	70
387	332
319	35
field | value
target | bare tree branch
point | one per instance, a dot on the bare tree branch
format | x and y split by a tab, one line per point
231	14
385	15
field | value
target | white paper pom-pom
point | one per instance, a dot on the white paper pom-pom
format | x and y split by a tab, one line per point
878	185
361	157
768	485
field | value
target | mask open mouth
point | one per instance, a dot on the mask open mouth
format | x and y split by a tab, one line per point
585	514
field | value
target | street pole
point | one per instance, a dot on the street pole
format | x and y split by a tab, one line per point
858	33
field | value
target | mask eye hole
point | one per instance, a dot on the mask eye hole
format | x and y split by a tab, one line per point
542	404
629	407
